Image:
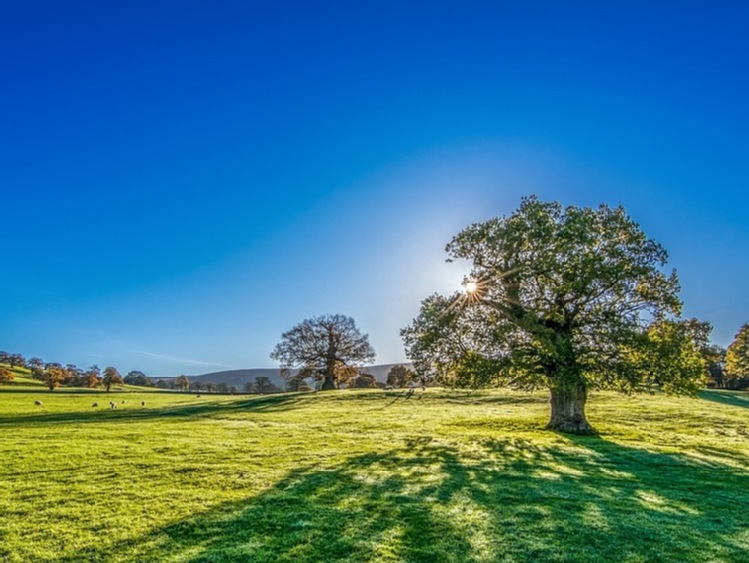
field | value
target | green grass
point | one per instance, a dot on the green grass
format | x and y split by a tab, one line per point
370	476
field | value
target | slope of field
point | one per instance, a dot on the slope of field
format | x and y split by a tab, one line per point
371	476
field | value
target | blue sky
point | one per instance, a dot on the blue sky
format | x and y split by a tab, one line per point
183	181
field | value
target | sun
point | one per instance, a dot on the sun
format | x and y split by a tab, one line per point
470	286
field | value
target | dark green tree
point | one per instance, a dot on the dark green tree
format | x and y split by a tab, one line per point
328	348
400	376
561	298
136	377
364	381
264	385
737	359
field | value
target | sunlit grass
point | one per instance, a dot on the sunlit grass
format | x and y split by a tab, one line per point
362	476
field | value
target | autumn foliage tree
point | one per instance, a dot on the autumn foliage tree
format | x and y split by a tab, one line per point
6	375
110	377
54	375
329	348
562	298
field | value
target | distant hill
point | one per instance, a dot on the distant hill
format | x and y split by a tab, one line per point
238	377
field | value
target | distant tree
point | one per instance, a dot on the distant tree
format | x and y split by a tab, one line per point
233	389
263	385
6	375
92	377
737	359
294	384
327	348
364	381
136	377
249	387
13	360
222	387
35	362
182	383
196	386
111	377
75	376
557	298
161	384
400	375
210	387
54	375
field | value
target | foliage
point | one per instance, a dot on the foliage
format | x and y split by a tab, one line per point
53	376
562	298
13	360
6	375
457	476
110	377
737	359
364	381
399	376
327	348
139	378
264	385
182	383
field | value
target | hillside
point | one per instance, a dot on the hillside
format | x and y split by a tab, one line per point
240	376
370	476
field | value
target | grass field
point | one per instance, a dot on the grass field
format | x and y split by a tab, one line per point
370	476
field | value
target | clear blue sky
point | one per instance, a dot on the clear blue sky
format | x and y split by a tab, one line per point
183	181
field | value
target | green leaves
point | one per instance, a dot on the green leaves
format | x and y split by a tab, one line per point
563	295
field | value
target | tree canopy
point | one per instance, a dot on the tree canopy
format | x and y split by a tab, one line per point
737	358
328	348
568	298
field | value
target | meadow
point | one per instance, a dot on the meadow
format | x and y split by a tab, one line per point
370	476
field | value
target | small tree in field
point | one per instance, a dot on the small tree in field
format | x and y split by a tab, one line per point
400	376
54	376
264	385
327	348
364	381
111	377
92	377
182	383
6	375
570	299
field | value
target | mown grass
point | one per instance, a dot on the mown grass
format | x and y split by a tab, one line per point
371	476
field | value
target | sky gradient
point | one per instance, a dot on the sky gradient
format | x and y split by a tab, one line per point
184	181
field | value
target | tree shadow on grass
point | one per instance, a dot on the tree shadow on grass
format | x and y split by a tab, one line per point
583	499
733	398
265	403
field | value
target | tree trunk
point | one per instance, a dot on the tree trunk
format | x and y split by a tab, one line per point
568	410
328	383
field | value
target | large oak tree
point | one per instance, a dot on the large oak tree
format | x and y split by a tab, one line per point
328	348
569	299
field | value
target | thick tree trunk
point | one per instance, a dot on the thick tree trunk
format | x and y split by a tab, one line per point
568	410
328	383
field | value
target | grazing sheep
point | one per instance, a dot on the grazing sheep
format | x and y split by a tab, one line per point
112	405
95	405
123	401
143	404
198	397
38	403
